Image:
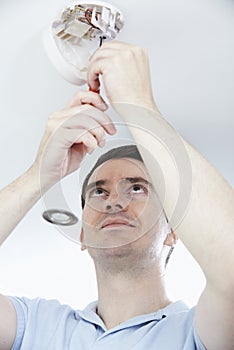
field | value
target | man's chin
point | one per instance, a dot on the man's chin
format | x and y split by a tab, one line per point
114	245
114	257
114	238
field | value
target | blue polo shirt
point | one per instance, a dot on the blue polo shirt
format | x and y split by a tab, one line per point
46	324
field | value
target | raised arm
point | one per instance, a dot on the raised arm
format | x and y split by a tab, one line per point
205	221
70	134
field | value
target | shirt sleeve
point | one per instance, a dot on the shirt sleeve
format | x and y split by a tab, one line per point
197	340
21	314
42	322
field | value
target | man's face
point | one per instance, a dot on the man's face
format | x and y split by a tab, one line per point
121	206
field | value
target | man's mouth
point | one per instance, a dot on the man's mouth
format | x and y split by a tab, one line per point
115	223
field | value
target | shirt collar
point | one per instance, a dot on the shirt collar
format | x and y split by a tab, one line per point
89	314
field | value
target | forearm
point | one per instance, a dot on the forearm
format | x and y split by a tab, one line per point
16	200
205	223
208	227
69	135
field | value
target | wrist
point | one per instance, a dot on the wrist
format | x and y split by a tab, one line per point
40	182
32	178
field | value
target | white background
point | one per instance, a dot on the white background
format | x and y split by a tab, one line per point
191	49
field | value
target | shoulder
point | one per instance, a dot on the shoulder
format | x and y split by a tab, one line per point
40	306
178	327
38	319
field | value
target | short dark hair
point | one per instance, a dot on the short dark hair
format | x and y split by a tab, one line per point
126	151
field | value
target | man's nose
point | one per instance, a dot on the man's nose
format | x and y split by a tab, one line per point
116	202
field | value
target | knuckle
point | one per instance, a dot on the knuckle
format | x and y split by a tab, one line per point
50	125
138	51
97	98
99	132
53	116
89	141
54	121
85	107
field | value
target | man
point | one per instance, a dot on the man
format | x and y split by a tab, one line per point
125	228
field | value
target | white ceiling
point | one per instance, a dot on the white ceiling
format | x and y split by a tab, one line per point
191	49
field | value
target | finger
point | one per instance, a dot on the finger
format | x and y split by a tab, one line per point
88	140
87	97
113	44
96	91
95	69
72	137
95	100
76	114
93	81
99	62
90	125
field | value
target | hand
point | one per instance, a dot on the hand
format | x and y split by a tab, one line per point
126	74
70	134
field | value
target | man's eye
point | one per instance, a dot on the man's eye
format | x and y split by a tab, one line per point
97	192
138	189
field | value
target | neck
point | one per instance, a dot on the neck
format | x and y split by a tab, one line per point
125	294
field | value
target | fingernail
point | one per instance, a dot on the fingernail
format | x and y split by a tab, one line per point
104	106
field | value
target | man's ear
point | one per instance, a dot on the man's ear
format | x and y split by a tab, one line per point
171	239
83	246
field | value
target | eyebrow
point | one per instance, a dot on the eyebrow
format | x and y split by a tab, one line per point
138	179
132	180
96	184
